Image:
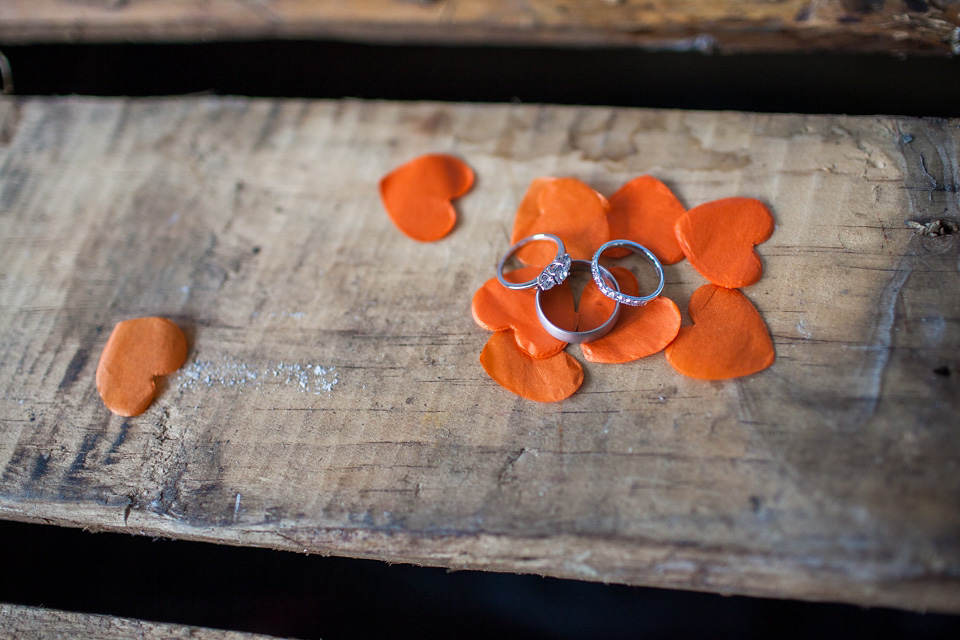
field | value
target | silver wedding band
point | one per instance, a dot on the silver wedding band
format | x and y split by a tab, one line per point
579	337
607	290
552	275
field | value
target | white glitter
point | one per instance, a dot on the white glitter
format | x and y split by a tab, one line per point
308	378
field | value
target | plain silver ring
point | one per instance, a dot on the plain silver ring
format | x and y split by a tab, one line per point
579	337
552	275
607	290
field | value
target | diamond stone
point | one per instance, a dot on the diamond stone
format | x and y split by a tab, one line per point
555	273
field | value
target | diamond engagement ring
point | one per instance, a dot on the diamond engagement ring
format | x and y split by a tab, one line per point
579	337
552	275
608	291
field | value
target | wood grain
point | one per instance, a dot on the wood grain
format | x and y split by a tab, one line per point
36	623
333	402
896	26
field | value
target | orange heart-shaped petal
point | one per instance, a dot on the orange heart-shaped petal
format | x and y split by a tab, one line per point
529	210
417	195
718	238
570	210
639	332
645	211
138	351
727	340
541	379
496	308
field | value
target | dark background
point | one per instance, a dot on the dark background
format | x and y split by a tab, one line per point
818	83
286	594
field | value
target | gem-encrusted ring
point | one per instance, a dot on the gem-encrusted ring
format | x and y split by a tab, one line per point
552	275
609	291
579	337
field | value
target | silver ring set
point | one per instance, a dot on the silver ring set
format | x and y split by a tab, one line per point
561	267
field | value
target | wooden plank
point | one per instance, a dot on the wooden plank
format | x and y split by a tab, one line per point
333	403
899	26
18	622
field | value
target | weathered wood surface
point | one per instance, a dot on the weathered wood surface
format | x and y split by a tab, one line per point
333	402
35	623
901	26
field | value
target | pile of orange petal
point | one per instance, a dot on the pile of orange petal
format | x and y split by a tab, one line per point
728	338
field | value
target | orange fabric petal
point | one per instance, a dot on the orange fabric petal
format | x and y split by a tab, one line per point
718	238
497	308
529	210
640	331
595	308
541	379
417	195
645	211
571	210
137	351
727	340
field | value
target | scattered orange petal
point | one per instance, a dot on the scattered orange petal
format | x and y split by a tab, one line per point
496	308
718	238
595	308
727	340
138	351
640	331
417	195
542	379
645	211
571	210
528	211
